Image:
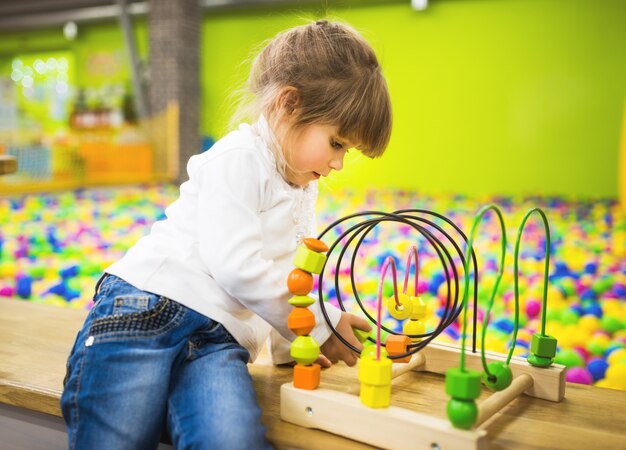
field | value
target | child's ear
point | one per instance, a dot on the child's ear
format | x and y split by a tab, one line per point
289	100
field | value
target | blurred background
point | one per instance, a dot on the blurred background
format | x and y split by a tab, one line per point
519	103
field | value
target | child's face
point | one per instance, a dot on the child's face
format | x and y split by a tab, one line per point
314	151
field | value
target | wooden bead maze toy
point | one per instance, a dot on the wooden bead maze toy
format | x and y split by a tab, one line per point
372	417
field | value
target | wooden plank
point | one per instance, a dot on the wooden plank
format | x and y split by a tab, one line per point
393	427
549	382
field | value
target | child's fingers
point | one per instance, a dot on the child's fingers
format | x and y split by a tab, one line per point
323	361
360	323
350	358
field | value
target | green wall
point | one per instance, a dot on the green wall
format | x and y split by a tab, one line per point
507	96
489	96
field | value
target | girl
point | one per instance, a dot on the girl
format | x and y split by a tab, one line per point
178	317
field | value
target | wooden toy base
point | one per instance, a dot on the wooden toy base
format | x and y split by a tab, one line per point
398	428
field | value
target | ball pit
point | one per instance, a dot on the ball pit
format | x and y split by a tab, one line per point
53	248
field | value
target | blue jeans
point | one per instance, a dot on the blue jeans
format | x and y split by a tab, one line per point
142	362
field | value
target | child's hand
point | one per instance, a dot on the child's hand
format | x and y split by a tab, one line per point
334	350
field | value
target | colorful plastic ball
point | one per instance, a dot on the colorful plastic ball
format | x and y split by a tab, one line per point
617	356
612	348
594	309
569	317
597	368
598	345
569	358
616	375
610	324
578	375
533	308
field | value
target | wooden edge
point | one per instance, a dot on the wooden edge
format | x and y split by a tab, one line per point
499	400
393	427
30	397
548	382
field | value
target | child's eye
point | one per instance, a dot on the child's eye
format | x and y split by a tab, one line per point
336	144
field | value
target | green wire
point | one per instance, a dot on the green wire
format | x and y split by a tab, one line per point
470	242
546	271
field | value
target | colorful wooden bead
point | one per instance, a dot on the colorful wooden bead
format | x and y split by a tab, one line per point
397	344
360	334
301	300
375	378
462	413
316	245
414	328
404	310
301	321
500	378
305	350
419	308
544	346
369	351
306	377
309	260
539	361
299	282
463	385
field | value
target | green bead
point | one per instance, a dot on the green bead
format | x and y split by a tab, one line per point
500	378
301	300
462	413
305	350
539	361
308	260
369	351
463	385
544	346
360	334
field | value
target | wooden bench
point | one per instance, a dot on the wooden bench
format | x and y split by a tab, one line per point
36	339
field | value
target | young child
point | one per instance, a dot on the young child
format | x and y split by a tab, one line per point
176	320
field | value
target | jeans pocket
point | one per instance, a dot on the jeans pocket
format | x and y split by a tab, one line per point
159	318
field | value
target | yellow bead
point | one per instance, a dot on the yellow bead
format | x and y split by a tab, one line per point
375	372
419	308
301	300
375	377
405	310
375	396
305	350
308	260
413	327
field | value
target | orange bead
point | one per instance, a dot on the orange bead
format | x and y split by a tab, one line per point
300	282
301	321
397	344
306	377
316	245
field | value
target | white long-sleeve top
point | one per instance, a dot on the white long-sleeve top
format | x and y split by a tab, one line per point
226	246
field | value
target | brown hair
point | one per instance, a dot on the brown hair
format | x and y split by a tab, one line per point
337	78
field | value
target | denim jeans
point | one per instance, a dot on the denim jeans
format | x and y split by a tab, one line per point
142	362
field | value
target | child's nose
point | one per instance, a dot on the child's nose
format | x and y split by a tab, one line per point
337	162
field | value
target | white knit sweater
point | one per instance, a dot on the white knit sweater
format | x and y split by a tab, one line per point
226	247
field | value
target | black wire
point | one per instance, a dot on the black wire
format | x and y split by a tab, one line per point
450	313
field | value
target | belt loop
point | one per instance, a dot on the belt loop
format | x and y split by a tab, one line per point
99	283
